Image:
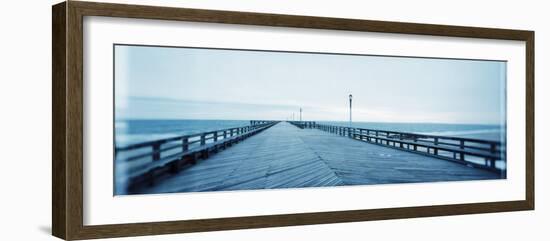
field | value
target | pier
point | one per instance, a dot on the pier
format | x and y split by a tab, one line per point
273	154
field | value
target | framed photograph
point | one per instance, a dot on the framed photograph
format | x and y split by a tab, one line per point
171	120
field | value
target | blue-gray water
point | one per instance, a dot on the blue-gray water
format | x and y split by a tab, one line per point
485	132
135	131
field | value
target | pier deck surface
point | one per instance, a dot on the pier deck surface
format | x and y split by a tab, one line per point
285	156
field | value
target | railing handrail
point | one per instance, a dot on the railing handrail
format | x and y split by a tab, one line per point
175	138
468	139
162	141
422	135
459	147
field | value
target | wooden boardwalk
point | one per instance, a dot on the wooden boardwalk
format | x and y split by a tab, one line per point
285	156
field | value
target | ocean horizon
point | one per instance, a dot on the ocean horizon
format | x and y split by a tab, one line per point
133	131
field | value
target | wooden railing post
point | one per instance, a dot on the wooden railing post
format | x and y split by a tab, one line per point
436	141
203	139
156	151
185	143
493	151
462	147
215	136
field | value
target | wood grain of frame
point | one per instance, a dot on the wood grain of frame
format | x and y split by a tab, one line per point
67	136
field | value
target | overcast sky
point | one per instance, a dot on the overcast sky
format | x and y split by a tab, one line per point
190	83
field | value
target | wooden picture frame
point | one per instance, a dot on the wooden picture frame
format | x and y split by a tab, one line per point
67	124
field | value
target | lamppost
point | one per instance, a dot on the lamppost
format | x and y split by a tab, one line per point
300	114
350	98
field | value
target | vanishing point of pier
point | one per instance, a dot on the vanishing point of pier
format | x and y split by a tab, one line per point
272	154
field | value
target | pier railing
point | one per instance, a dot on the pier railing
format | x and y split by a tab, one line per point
477	153
142	163
303	124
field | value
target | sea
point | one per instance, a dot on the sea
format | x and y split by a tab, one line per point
135	131
476	131
129	132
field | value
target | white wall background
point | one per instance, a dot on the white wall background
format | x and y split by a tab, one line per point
25	122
